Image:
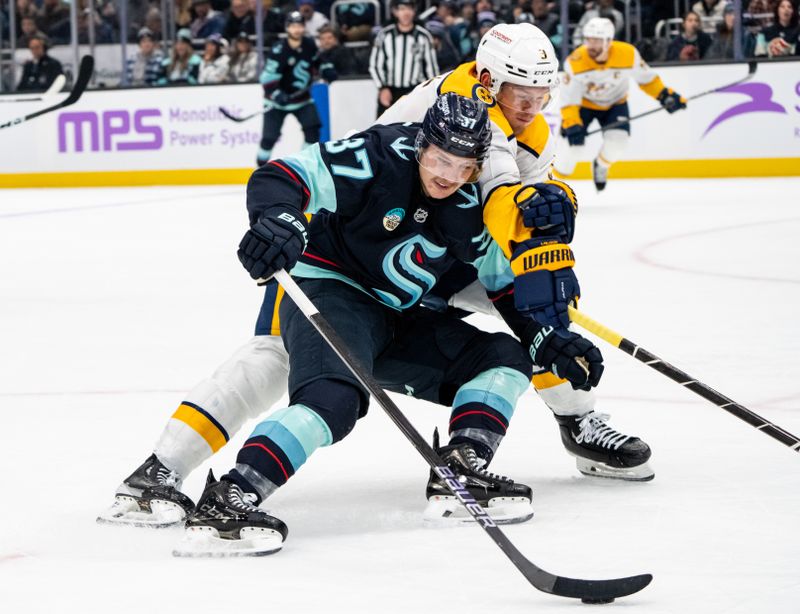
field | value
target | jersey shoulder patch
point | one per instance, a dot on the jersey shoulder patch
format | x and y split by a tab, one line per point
463	81
580	62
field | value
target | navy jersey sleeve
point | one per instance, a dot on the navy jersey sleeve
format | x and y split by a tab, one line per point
335	176
270	77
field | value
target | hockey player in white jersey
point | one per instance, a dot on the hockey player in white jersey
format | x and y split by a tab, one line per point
515	74
254	379
596	80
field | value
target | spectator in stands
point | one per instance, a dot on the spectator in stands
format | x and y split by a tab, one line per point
547	21
206	20
314	20
25	8
28	30
183	13
355	20
39	72
402	56
692	44
152	22
486	21
54	21
240	19
182	66
722	45
144	67
761	7
332	52
214	66
103	17
464	31
600	8
710	8
243	63
445	12
782	38
446	55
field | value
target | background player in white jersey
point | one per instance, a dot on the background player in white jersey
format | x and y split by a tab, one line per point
596	79
515	75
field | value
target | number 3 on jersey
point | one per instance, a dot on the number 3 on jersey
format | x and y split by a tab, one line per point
361	169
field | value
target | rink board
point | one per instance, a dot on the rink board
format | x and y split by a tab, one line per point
166	136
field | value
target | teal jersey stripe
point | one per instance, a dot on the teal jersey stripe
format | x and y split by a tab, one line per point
298	430
494	269
499	388
310	166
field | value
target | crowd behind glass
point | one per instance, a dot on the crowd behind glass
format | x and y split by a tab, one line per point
214	41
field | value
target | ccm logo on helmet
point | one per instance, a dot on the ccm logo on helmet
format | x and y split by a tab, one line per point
463	142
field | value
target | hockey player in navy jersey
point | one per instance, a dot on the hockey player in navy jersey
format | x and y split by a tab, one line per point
290	67
399	212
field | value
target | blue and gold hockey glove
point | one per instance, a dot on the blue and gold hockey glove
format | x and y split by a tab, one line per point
549	208
276	241
671	101
565	354
544	282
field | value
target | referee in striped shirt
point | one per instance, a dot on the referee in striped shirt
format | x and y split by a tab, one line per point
402	57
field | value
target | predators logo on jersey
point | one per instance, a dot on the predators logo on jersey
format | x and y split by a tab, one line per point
481	93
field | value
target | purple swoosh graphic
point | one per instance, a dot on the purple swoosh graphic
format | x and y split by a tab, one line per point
760	102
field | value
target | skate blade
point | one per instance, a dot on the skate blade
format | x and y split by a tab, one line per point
595	469
126	511
503	510
206	542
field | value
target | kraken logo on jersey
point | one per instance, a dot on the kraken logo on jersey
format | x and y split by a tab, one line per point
302	76
401	266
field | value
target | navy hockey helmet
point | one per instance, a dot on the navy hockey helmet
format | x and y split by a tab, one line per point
458	125
295	17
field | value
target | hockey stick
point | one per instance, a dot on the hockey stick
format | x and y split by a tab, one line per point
751	70
589	591
239	120
84	74
54	89
684	379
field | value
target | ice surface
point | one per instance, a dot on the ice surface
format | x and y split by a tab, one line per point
113	302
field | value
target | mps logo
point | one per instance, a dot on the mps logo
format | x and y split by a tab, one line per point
760	101
114	130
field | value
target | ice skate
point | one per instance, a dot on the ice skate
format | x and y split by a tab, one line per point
226	523
602	451
149	497
599	175
505	501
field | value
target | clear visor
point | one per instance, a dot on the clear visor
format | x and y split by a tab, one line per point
448	166
522	99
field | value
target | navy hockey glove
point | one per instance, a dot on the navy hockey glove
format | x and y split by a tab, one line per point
544	282
576	134
276	241
566	355
671	101
550	208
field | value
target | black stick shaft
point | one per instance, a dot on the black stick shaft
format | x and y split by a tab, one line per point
686	380
539	578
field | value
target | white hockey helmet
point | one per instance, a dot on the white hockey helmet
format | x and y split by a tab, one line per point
599	27
517	53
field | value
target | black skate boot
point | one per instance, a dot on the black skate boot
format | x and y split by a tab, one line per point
602	451
505	501
149	497
599	175
226	522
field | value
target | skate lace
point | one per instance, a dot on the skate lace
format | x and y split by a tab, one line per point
593	429
478	465
241	500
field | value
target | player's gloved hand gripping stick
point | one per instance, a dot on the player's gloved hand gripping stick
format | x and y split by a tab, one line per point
589	591
686	380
